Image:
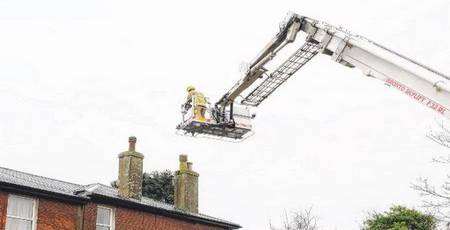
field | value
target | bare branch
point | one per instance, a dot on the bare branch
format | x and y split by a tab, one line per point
442	136
298	220
437	198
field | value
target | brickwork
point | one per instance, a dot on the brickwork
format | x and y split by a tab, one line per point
3	205
172	224
89	216
127	219
148	220
55	215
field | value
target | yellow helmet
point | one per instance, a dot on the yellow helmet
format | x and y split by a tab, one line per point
189	88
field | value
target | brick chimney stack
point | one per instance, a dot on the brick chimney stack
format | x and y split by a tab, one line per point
130	172
186	186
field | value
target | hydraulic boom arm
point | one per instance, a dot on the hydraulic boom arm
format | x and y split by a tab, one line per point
423	84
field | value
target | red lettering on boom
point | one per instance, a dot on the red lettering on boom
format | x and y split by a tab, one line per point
417	96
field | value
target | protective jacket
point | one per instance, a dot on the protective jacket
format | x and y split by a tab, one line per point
197	99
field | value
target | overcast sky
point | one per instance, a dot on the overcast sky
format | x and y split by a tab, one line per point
79	77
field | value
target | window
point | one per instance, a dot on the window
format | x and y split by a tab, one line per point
21	213
105	218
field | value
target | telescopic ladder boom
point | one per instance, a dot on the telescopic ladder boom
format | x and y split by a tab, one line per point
423	84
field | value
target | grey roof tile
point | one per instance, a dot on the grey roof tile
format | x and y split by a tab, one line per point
37	182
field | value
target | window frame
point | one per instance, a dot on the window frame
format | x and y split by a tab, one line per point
35	210
112	218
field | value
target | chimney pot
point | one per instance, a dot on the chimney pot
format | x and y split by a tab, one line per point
183	162
132	143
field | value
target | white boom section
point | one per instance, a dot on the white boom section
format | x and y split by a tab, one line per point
421	83
425	85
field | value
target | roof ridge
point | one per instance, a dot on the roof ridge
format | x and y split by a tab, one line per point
30	174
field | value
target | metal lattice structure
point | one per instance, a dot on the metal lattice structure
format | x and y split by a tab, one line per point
282	73
423	84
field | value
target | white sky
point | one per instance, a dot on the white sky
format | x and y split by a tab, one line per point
79	77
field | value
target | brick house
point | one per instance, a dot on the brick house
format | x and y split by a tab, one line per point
31	202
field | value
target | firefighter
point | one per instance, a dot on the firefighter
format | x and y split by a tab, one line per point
198	101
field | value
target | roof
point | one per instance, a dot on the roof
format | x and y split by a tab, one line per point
43	186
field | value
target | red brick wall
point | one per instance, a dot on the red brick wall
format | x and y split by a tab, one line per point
172	224
89	216
3	205
127	219
54	215
148	220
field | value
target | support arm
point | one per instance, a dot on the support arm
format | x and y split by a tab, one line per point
425	85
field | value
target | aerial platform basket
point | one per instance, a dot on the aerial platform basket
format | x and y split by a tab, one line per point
237	129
